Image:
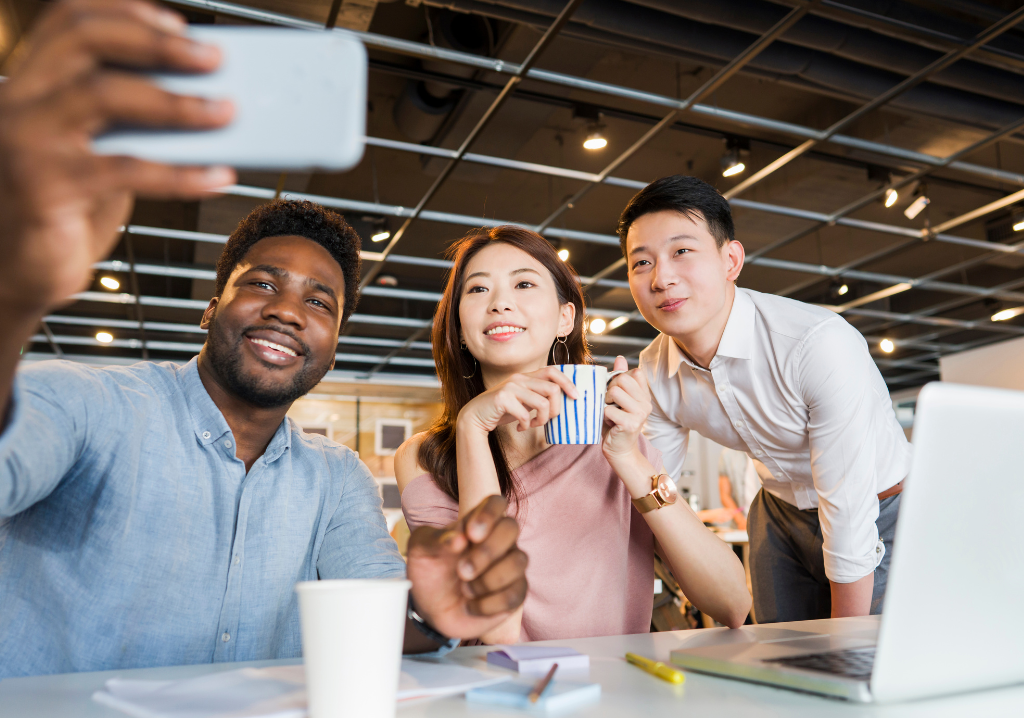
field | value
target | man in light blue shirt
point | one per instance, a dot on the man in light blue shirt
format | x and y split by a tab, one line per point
156	514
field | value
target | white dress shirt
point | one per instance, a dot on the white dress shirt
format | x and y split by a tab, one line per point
795	388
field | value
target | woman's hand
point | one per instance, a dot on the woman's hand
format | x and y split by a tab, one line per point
628	403
528	399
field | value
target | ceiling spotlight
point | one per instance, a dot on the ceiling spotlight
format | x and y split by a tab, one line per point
890	197
886	346
1018	226
597	325
838	288
731	164
104	337
380	236
1007	314
617	322
843	289
916	207
110	283
563	254
595	140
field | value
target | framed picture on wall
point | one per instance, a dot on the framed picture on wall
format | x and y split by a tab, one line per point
389	435
322	430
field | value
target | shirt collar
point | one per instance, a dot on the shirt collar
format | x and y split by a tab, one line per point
736	340
209	423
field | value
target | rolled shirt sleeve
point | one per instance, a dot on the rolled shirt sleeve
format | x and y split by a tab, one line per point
44	435
357	543
847	403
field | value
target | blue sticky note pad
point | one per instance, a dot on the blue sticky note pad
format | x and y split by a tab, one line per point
560	696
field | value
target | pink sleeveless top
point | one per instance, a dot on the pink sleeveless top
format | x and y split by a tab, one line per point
591	570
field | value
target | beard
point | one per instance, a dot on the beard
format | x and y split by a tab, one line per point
225	354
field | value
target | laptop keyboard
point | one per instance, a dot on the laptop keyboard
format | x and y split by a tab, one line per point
851	663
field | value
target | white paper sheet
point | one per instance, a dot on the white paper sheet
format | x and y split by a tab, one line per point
276	692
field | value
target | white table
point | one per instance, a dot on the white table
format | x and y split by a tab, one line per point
626	690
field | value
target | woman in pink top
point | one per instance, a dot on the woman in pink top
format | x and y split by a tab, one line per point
511	309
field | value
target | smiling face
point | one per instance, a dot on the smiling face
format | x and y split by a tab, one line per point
273	332
681	281
509	310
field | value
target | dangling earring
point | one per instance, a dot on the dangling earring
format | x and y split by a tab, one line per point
475	364
561	340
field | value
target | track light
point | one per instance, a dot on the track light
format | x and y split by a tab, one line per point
843	289
595	140
1018	225
1005	314
110	283
597	325
563	254
104	337
380	236
731	164
890	197
916	207
886	346
617	322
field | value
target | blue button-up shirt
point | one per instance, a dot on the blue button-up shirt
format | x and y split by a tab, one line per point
131	535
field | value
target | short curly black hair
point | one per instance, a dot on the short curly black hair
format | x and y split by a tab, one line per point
301	219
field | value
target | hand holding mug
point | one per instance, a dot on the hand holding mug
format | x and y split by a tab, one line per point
529	399
628	404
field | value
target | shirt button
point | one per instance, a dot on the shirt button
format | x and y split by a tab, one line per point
738	424
758	452
237	559
225	637
206	435
227	444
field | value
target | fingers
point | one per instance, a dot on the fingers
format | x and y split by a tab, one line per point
523	395
118	97
88	34
552	374
156	180
430	540
620	364
481	521
480	556
501	574
504	601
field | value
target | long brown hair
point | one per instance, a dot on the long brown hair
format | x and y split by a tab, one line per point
454	364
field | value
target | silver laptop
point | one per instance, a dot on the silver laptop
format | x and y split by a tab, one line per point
951	620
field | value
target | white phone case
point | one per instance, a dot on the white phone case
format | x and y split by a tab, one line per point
300	103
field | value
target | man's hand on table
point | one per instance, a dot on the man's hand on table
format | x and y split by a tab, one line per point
470	576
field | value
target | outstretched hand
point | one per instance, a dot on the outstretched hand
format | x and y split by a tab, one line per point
628	404
470	576
61	204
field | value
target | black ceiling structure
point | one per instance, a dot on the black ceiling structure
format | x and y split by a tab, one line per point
477	114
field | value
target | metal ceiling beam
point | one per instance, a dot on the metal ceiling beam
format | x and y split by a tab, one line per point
712	84
895	185
917	78
740	119
545	41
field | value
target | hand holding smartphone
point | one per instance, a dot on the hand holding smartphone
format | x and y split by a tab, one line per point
299	99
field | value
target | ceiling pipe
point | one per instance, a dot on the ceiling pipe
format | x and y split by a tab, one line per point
741	119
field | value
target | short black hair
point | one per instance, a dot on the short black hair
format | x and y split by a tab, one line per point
282	218
681	193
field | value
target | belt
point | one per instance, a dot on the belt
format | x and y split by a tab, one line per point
891	491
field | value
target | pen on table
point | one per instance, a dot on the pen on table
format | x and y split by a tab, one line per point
542	685
657	668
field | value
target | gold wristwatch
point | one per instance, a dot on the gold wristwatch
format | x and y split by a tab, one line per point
663	492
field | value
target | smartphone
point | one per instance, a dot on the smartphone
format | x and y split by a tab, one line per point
300	103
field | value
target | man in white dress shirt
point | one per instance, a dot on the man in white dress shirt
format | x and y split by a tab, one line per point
790	384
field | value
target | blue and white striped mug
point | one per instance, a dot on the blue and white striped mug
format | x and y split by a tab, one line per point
581	420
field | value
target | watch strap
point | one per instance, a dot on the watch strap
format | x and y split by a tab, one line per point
423	627
647	503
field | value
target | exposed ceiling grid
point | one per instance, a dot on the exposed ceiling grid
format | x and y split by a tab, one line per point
477	113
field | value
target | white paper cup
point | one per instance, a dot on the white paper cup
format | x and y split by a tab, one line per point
352	635
582	419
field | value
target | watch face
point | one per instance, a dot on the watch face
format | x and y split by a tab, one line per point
667	490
